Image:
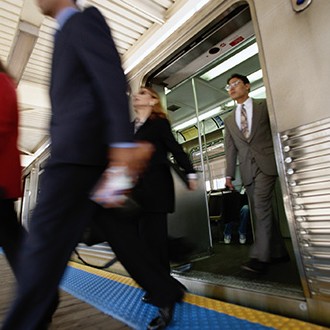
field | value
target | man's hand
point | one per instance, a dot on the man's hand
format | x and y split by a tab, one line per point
229	184
135	159
192	184
124	167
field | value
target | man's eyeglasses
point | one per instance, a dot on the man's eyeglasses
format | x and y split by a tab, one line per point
232	85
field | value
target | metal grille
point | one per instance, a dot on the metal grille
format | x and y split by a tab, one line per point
306	152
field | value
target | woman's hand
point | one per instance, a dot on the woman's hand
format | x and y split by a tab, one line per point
192	184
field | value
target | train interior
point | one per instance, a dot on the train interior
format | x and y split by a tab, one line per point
197	104
192	85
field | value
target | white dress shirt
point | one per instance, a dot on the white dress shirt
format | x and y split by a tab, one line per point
249	111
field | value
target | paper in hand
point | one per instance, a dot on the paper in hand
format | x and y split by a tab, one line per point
113	187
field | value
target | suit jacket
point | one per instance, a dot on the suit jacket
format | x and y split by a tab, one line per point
155	189
10	174
90	108
257	148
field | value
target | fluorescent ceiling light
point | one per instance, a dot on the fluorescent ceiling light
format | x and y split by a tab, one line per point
231	62
230	104
193	121
255	76
209	114
186	124
25	39
259	93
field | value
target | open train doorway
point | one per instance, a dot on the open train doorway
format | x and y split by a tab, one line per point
193	87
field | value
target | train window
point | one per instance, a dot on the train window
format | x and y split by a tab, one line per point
213	155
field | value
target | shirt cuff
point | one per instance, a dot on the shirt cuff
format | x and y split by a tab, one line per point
192	176
123	145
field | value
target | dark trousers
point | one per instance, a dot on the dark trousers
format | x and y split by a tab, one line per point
59	219
153	231
11	232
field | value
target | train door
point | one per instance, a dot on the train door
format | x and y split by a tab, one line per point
198	103
31	189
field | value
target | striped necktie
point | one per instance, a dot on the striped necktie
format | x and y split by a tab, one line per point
244	123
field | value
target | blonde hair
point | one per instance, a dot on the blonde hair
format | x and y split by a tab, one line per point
157	109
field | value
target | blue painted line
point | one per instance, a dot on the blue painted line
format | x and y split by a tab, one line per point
123	302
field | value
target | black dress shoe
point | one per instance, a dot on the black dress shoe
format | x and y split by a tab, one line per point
164	318
146	298
256	266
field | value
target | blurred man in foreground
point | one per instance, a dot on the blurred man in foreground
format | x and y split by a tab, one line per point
91	135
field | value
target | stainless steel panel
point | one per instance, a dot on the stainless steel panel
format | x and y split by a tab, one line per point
306	156
255	293
300	5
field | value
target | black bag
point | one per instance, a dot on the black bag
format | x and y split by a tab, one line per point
94	233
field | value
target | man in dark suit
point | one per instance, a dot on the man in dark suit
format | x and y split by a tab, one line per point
90	131
248	138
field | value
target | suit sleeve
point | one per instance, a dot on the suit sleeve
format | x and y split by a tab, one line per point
174	147
96	49
231	153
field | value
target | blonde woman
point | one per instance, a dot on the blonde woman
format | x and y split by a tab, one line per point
155	190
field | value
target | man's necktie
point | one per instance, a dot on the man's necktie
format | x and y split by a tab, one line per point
244	123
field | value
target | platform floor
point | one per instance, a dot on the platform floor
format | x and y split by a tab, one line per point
72	313
96	299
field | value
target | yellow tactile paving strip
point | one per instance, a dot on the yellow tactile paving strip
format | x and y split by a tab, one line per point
244	313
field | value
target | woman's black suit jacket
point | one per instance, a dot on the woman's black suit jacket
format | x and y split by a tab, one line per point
155	189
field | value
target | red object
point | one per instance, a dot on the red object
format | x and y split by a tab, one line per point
236	41
10	173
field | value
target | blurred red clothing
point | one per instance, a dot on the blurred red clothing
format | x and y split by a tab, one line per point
10	174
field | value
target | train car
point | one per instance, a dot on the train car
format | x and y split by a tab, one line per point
282	47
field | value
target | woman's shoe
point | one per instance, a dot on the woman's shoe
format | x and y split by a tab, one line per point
146	298
164	318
